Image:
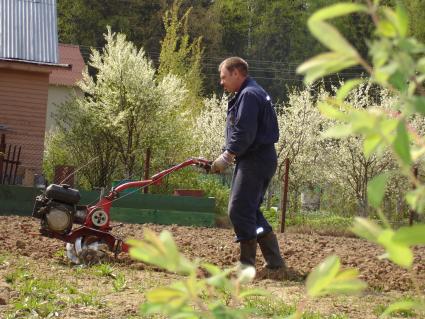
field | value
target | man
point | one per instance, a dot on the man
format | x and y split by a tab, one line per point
251	131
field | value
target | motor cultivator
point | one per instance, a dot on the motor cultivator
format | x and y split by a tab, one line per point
87	229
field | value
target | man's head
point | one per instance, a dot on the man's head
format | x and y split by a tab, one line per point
233	72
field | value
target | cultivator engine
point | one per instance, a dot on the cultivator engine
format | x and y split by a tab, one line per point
87	229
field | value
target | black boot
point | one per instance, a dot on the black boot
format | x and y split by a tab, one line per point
275	265
270	249
248	252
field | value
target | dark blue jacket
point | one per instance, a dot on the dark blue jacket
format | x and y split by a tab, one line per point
251	120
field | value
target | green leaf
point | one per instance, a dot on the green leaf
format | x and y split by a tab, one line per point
322	276
399	254
167	295
402	18
386	29
400	306
421	65
376	189
346	282
398	80
418	104
401	144
366	229
413	235
399	19
331	38
331	111
337	10
338	131
415	199
325	64
253	292
371	143
363	121
347	286
160	251
344	90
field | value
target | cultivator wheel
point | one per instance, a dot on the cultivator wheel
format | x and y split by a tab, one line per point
87	251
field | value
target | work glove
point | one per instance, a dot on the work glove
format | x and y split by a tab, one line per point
222	162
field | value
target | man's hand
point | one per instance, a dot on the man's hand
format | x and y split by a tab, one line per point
222	162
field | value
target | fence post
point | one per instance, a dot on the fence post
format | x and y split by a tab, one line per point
284	200
147	166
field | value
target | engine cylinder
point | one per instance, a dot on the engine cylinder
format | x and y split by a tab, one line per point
59	219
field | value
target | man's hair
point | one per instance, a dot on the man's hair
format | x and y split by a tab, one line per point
235	63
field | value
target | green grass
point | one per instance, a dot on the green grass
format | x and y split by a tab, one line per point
43	297
318	221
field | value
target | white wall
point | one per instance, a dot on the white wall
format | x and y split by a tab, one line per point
58	95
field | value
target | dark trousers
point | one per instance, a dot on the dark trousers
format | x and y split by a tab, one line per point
251	177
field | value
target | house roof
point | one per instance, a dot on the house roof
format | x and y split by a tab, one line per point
68	54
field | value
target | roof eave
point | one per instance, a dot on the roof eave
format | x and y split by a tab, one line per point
34	66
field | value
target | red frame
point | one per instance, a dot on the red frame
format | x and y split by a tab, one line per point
115	244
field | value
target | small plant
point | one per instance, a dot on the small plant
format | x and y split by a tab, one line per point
103	270
221	294
87	299
60	253
119	283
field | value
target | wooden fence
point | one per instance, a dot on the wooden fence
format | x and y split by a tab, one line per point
9	161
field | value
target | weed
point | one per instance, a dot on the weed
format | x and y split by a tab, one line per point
37	296
103	270
87	299
60	253
119	283
17	275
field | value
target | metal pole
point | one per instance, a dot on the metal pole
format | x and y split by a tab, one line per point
284	200
147	166
412	211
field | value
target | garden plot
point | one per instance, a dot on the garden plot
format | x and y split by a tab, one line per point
21	247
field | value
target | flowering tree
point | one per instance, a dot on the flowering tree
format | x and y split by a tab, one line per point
210	126
125	110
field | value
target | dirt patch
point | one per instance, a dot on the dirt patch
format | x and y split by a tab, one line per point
301	251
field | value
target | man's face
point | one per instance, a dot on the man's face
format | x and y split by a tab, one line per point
230	81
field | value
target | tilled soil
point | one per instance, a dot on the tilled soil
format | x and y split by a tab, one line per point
301	251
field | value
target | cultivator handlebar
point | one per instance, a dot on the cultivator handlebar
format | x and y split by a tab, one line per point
89	243
156	179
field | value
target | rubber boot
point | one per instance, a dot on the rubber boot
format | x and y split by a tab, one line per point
275	265
248	252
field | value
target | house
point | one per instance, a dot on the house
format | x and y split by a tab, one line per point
62	82
28	54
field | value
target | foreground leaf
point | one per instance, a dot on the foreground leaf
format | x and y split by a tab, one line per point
401	306
322	275
366	229
413	235
376	189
